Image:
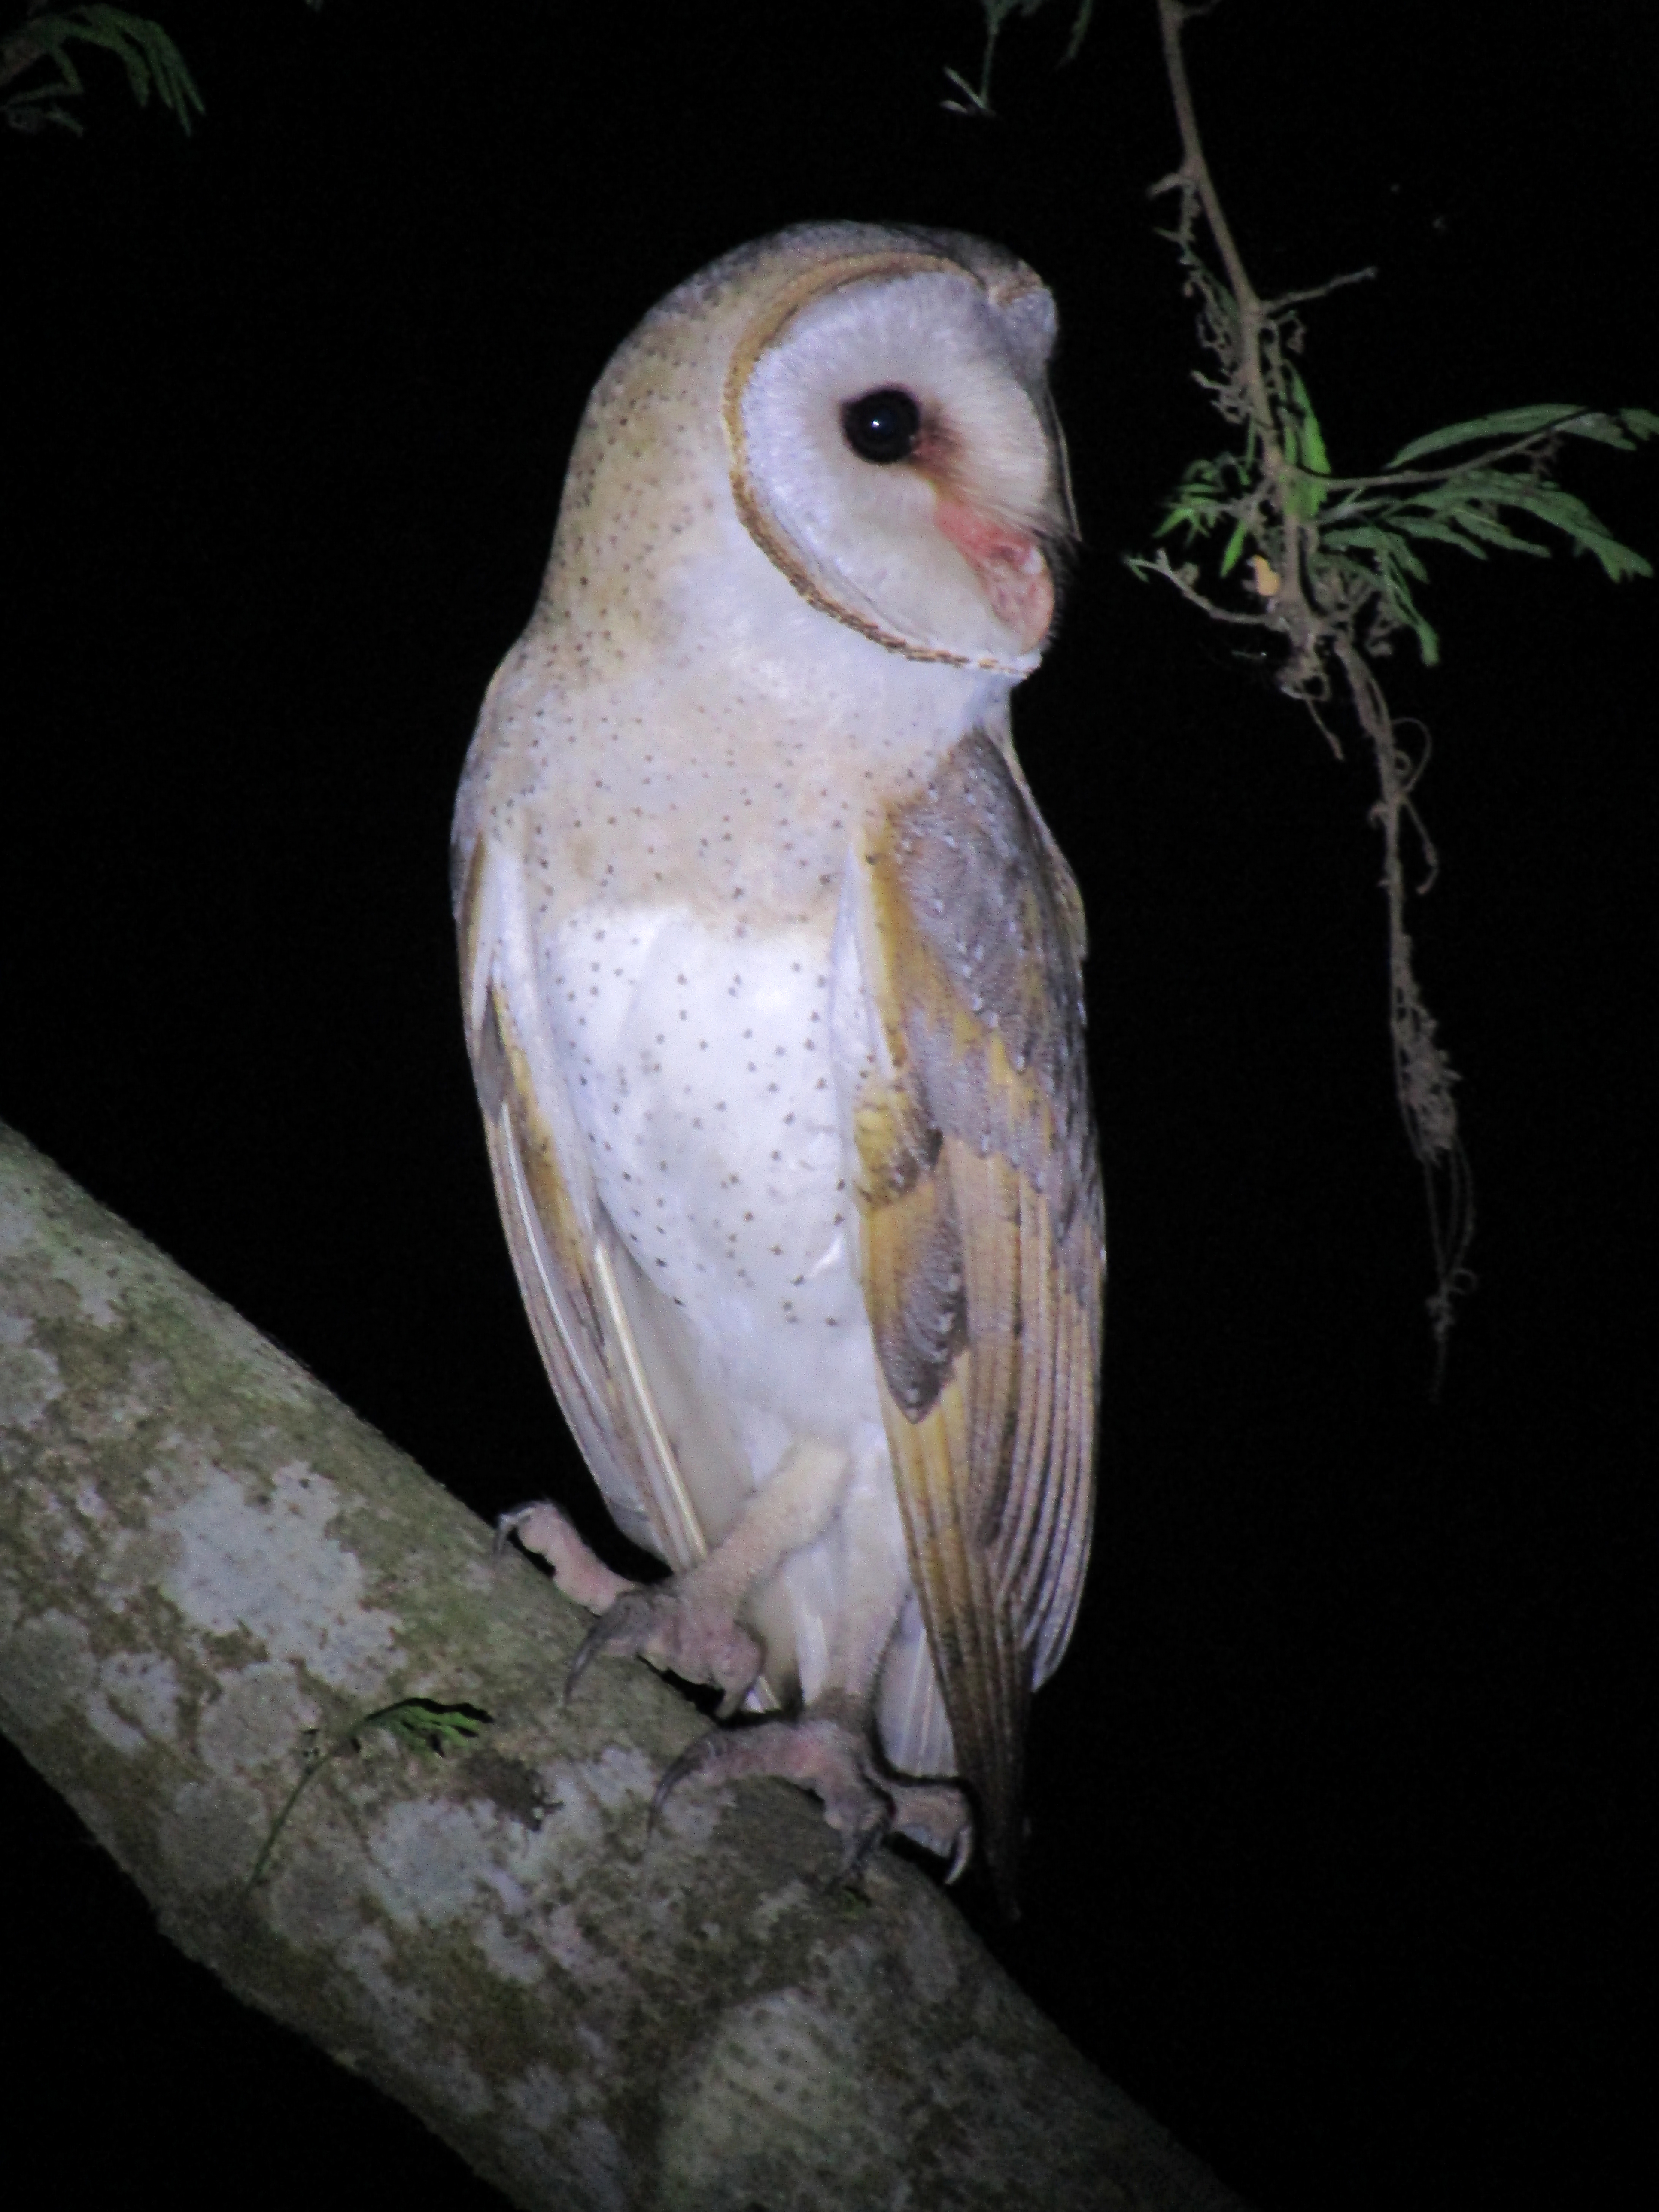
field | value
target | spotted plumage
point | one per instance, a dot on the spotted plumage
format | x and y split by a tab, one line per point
772	980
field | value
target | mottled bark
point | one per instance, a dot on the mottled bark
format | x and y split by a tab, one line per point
203	1556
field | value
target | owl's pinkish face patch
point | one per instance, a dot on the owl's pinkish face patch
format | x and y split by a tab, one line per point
1009	564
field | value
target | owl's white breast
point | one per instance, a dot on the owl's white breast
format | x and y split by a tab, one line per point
700	1066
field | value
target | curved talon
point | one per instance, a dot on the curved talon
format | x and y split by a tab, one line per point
508	1523
661	1625
694	1757
964	1852
630	1615
935	1814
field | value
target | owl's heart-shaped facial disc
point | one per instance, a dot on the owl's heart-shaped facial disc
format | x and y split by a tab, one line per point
895	455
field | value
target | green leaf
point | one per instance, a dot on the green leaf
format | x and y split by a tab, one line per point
1495	533
1199	501
1621	561
1550	503
1490	485
1303	497
1566	512
423	1726
1313	439
1391	567
1467	506
1372	538
1513	422
1419	527
1197	518
1605	430
1234	545
1618	560
152	61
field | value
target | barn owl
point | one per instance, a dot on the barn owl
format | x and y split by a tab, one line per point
771	973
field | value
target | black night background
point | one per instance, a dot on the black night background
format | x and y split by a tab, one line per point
1336	1861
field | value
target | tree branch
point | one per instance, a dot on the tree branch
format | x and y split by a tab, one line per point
203	1558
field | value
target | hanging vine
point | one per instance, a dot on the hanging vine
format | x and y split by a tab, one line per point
1330	565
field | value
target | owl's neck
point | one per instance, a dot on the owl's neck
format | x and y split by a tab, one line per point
721	779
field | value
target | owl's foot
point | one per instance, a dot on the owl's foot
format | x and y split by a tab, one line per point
675	1626
833	1758
678	1624
580	1573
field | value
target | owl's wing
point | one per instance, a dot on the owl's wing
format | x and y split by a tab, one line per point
983	1239
624	1384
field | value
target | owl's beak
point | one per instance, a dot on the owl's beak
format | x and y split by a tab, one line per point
1009	564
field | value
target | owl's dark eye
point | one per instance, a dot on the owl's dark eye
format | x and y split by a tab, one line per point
882	426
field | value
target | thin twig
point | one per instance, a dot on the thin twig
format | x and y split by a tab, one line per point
1181	578
1277	306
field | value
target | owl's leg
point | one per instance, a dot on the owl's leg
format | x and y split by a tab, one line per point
831	1748
688	1624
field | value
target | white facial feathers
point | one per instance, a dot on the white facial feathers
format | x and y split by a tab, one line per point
931	550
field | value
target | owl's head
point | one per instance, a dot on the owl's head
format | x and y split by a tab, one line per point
868	408
894	451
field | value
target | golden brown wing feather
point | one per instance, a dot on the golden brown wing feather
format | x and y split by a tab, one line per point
983	1241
